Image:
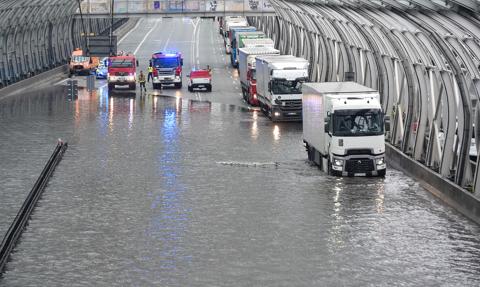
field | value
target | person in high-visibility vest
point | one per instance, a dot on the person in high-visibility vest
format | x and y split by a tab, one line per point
142	80
150	73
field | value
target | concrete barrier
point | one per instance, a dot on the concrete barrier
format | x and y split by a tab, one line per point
47	77
451	193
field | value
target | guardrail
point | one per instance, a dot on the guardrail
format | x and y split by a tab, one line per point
23	215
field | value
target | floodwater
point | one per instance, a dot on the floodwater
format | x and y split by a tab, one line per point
165	191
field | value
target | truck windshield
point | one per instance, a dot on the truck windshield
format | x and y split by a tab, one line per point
365	122
121	63
284	87
80	59
171	62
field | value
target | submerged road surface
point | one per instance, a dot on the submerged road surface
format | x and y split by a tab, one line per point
173	190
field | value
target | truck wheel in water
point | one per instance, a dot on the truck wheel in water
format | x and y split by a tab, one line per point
329	168
381	173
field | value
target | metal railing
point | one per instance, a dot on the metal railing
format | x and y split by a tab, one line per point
23	215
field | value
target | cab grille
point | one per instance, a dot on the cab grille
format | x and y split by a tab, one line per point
359	165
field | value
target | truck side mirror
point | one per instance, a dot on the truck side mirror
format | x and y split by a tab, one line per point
269	86
387	123
326	127
181	62
136	62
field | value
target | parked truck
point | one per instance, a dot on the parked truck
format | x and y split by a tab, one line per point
168	69
81	64
279	86
122	72
246	67
227	33
239	43
343	128
222	22
234	38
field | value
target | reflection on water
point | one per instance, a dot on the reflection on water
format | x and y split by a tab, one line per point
255	125
276	132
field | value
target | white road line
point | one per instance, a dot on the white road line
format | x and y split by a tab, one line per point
198	44
126	35
144	38
168	40
61	81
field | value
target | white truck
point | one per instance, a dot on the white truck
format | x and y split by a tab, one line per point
236	22
344	128
279	86
246	68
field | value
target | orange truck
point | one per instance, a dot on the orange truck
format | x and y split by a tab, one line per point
81	64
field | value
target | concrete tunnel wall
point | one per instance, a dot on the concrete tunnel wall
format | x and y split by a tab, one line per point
39	35
425	63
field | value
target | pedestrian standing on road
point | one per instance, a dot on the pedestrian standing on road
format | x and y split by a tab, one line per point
150	73
142	80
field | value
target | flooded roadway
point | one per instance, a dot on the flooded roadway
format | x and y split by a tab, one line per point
169	191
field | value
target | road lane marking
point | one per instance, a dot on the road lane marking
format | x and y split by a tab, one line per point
126	35
145	37
168	40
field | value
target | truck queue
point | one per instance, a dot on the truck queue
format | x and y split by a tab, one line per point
343	122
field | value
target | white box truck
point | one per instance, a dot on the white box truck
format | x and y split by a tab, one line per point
279	86
246	68
344	128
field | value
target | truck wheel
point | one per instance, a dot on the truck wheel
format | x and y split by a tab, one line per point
329	168
209	89
309	153
244	94
190	89
110	87
133	86
381	173
178	85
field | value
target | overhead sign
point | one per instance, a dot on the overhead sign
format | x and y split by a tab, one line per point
99	46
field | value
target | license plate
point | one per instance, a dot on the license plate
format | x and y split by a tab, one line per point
167	79
360	174
292	114
201	86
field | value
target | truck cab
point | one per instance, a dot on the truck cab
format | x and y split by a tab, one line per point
121	72
80	64
279	86
344	128
168	68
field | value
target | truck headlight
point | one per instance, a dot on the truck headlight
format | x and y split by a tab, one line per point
380	161
277	114
338	162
